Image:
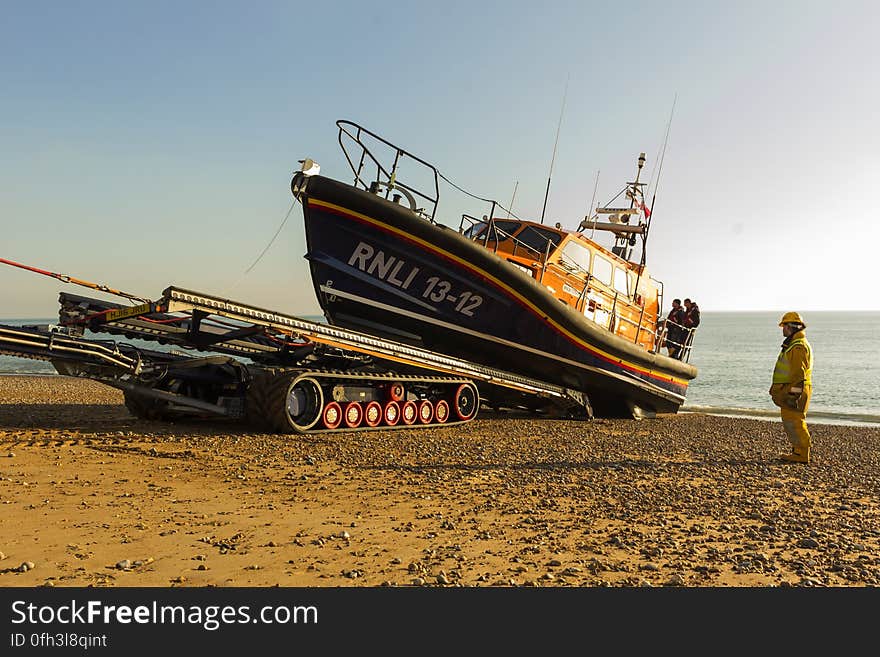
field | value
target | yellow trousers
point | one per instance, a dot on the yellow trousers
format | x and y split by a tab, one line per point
794	421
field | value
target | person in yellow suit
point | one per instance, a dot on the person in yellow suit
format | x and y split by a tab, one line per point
792	386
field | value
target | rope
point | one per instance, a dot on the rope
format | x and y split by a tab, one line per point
265	250
76	281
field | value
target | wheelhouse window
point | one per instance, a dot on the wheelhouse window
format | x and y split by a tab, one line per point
475	230
577	255
496	231
502	230
602	269
621	280
537	238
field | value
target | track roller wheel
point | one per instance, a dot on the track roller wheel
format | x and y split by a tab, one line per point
391	413
353	414
332	415
465	401
373	414
441	412
409	412
396	392
303	402
426	411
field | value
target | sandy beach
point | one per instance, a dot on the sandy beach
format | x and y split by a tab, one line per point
94	497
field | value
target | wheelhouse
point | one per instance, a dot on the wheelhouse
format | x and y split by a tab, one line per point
617	294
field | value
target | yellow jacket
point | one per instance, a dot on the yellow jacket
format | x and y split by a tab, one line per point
793	374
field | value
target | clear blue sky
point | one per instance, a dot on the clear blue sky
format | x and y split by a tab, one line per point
146	144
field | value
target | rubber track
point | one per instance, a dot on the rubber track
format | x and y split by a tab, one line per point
267	397
275	401
143	407
258	403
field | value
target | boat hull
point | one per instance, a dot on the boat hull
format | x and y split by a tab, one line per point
380	268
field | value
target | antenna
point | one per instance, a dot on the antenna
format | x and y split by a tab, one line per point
650	213
592	202
510	209
659	170
556	143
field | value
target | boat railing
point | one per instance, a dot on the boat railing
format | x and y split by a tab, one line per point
688	344
684	343
658	339
493	233
360	147
643	327
660	291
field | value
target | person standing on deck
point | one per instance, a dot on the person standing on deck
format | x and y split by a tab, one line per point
691	322
675	332
792	386
691	314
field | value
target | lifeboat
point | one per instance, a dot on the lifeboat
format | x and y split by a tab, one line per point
543	301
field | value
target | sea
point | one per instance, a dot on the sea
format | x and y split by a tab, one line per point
734	353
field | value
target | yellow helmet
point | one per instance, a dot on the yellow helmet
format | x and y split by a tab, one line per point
792	318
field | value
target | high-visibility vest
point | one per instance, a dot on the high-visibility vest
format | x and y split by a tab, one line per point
782	372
